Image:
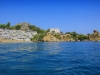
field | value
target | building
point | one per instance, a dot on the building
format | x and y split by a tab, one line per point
56	30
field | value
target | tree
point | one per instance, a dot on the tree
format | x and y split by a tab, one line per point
38	37
82	37
67	32
17	27
3	26
88	36
47	30
74	35
58	36
12	27
8	25
34	28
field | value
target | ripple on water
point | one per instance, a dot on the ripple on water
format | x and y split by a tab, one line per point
52	58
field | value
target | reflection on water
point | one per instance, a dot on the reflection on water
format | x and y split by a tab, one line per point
52	58
53	48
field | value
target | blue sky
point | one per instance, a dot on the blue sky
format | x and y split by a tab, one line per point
82	16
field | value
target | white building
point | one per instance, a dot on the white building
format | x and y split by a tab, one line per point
56	30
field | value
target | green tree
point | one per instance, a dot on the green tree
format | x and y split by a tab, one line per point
74	35
47	30
82	37
3	26
34	28
38	37
8	24
17	27
68	33
58	36
12	27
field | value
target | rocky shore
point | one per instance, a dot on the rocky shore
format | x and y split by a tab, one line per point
9	41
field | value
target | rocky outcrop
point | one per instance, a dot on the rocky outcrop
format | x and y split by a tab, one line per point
25	26
55	37
95	33
95	36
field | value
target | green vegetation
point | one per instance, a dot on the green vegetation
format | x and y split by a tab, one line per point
82	37
58	36
3	26
75	36
47	30
38	37
34	28
17	27
8	24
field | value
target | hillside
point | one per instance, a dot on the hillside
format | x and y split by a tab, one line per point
46	35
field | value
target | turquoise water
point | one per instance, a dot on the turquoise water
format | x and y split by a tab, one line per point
50	58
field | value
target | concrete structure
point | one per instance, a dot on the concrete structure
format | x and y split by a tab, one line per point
17	34
56	30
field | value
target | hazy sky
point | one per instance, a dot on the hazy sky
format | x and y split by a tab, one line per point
82	16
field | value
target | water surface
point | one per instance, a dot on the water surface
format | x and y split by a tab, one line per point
50	58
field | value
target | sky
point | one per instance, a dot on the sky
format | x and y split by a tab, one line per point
82	16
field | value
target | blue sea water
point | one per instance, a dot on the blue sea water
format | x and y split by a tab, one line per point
50	58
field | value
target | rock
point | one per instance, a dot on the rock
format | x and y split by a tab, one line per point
25	26
95	36
95	33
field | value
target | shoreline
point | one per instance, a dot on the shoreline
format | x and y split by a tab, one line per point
50	41
12	41
22	41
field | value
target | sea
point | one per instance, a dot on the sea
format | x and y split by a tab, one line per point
50	58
